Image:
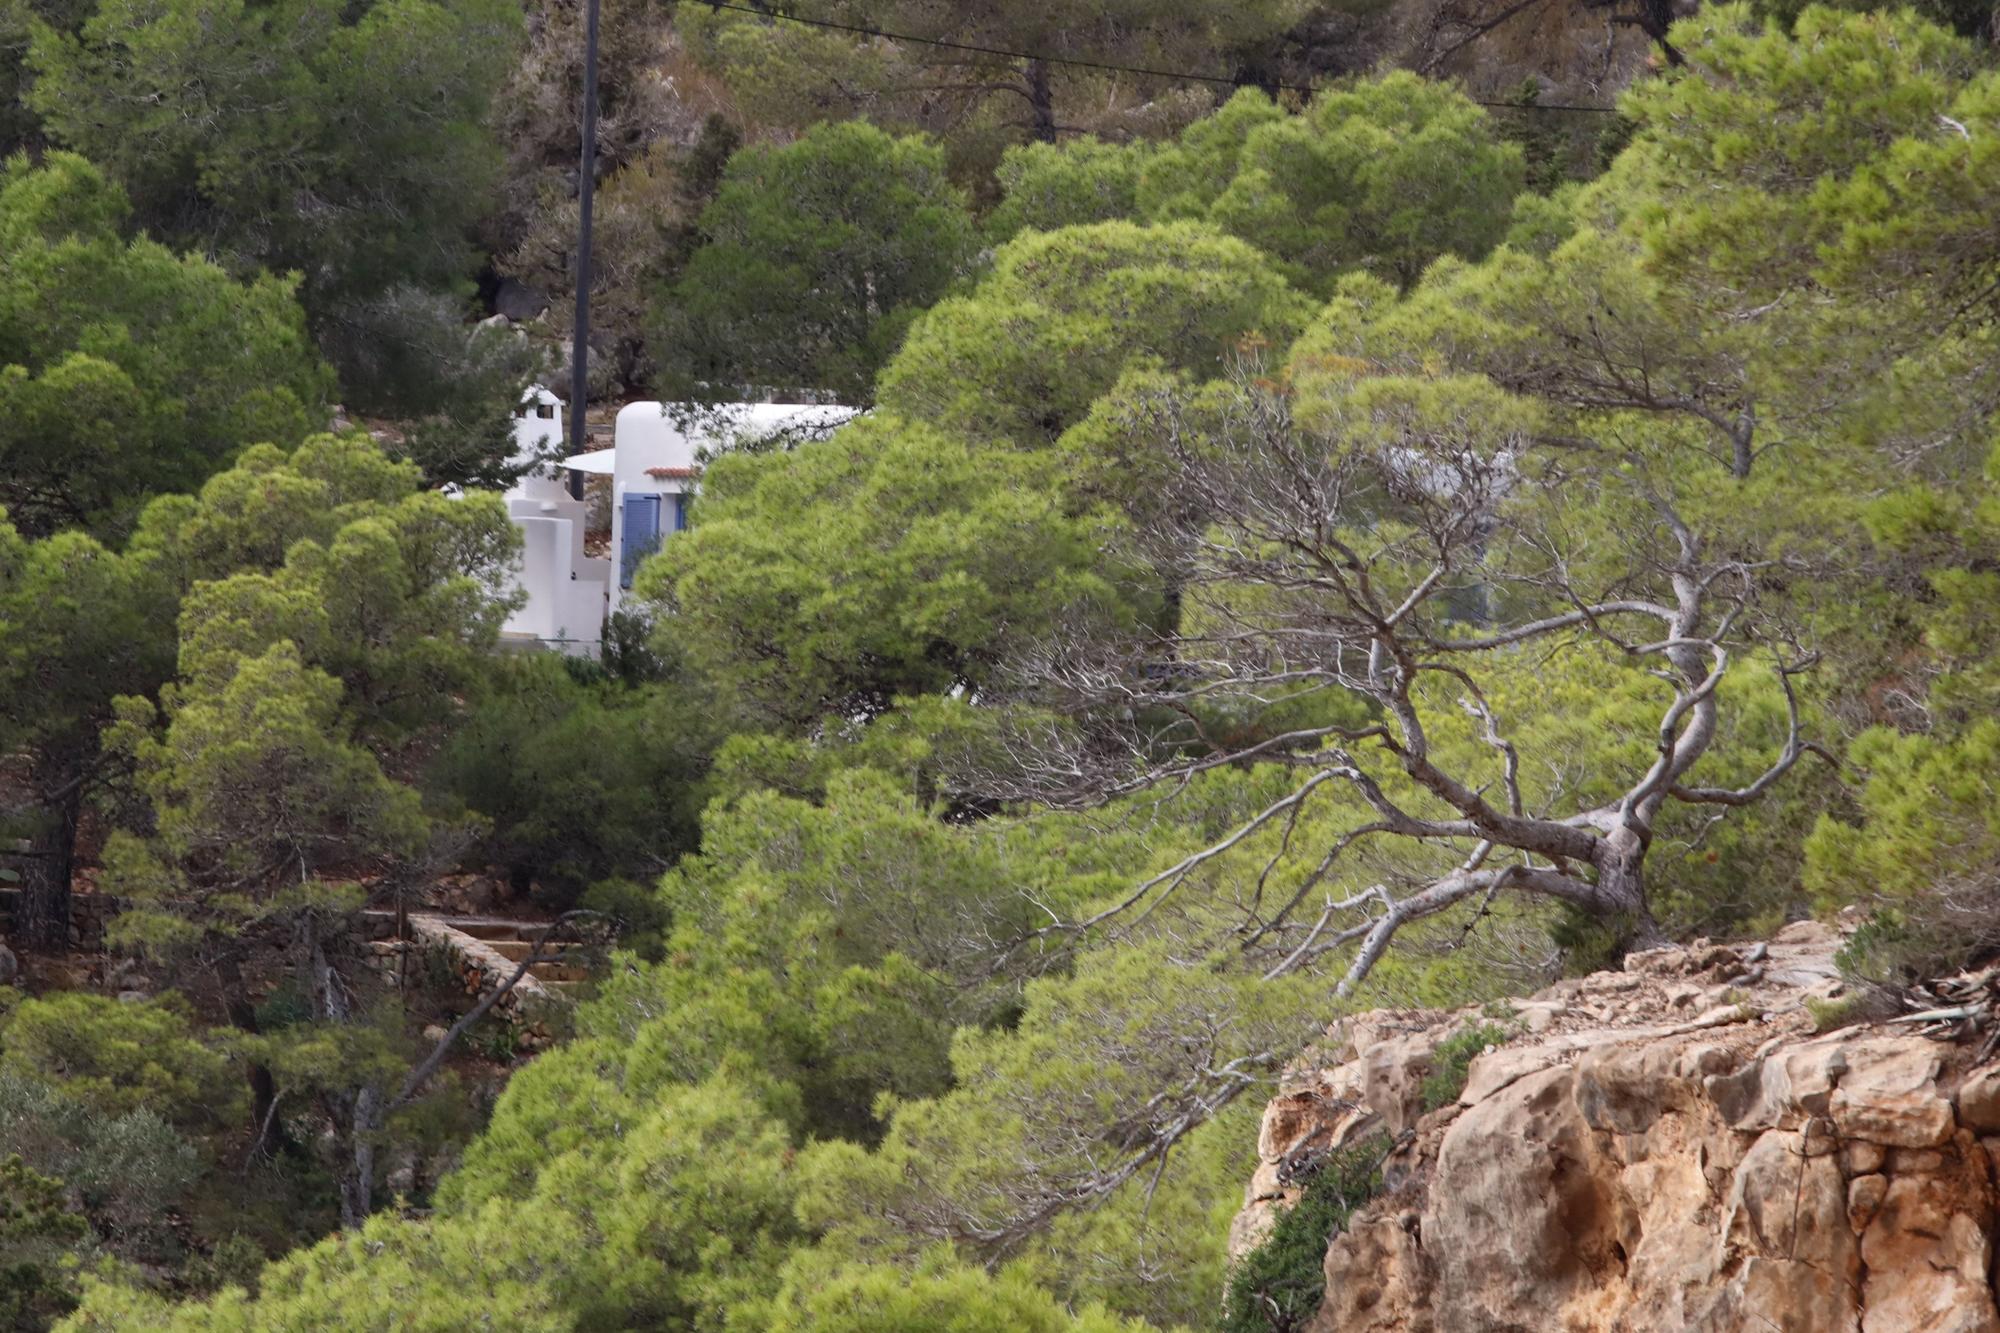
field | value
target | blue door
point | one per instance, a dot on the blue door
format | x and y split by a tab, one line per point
642	535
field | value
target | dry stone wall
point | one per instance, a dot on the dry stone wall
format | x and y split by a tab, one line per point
87	916
474	954
435	947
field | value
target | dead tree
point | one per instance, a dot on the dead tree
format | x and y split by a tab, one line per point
1408	552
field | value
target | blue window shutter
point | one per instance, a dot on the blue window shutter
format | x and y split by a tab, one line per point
641	536
680	513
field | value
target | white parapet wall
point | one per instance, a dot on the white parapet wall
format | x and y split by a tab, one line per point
565	591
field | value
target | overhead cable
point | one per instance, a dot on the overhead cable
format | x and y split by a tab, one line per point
1186	76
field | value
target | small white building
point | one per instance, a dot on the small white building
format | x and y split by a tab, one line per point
653	466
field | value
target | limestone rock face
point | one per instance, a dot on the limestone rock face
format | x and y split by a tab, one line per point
1666	1148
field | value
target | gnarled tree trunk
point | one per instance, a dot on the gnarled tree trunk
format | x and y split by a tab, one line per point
1041	102
264	1131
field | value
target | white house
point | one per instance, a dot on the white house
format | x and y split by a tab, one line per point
653	465
657	450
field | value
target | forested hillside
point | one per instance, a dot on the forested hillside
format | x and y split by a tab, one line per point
1356	505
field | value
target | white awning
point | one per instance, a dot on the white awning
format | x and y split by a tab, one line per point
600	462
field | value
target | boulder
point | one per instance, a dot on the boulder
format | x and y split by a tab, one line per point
1784	1203
1928	1248
1527	1218
518	301
1376	1282
1889	1094
1979	1100
1393	1074
1864	1200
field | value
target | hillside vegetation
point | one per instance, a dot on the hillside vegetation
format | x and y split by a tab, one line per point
1305	552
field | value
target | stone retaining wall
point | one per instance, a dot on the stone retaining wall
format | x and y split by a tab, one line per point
88	914
476	966
437	945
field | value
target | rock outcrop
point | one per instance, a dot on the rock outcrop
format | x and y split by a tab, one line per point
1670	1147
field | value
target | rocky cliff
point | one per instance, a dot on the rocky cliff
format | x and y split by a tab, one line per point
1668	1147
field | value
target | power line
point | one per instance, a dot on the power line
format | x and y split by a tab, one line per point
1185	76
990	50
1548	106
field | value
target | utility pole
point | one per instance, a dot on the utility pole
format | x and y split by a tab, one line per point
586	182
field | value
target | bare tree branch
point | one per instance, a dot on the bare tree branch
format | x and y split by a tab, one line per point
1400	560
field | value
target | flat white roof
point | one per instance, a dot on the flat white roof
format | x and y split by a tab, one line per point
721	420
600	462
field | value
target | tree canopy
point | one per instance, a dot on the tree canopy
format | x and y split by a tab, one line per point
344	142
1385	177
813	259
126	369
1062	314
890	559
971	79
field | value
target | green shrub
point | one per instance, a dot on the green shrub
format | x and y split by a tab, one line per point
577	783
1923	854
495	1040
1897	948
939	1296
118	1058
638	913
1590	944
1452	1061
126	1170
235	1260
1279	1285
37	1233
286	1006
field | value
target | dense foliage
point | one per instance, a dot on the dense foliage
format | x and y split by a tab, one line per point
813	260
340	141
129	369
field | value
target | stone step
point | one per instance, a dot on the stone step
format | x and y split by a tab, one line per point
516	950
556	973
495	931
